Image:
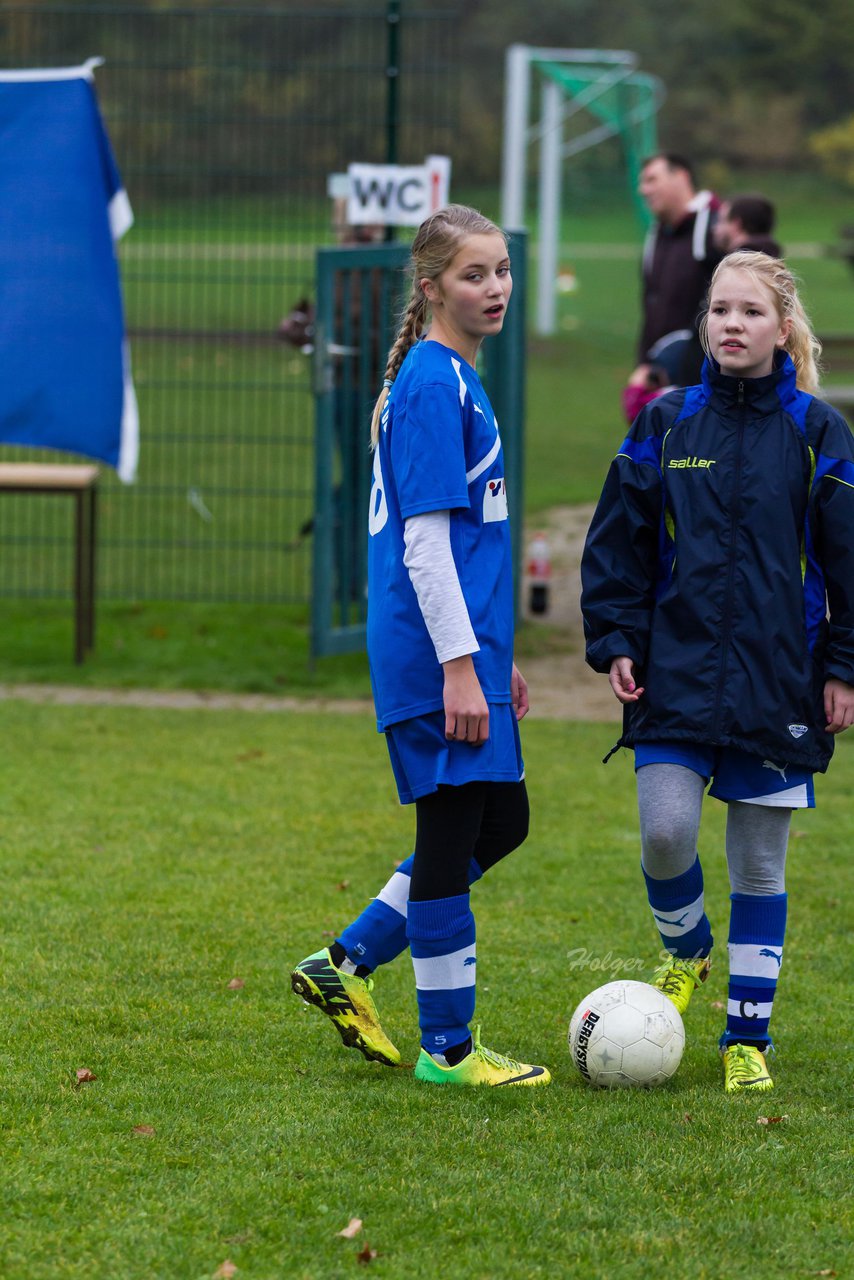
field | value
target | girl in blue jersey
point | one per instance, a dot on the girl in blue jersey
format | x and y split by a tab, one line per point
718	595
440	642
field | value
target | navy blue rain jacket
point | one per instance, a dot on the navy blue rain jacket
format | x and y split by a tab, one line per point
724	535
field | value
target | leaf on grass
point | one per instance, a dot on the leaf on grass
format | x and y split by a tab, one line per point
252	754
225	1270
352	1229
236	984
342	884
718	1004
327	933
771	1119
799	835
687	1118
85	1076
144	1130
367	1254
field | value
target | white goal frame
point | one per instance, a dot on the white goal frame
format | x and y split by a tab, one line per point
521	63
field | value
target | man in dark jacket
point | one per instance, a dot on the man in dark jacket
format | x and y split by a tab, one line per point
678	260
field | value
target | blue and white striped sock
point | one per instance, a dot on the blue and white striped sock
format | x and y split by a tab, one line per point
679	913
441	936
378	935
757	927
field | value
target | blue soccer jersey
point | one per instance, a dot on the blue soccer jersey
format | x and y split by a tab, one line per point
439	450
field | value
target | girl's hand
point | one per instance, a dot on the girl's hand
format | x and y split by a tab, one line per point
622	680
519	693
466	710
838	705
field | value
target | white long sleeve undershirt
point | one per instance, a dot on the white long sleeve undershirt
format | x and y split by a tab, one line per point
433	574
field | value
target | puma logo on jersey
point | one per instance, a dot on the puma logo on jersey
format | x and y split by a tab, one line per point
768	764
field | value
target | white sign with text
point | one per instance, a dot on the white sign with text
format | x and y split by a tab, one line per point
397	195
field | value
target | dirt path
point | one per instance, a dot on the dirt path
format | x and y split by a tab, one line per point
562	687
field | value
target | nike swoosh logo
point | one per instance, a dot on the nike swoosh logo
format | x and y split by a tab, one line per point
535	1071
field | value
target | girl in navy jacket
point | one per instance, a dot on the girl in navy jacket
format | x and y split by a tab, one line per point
718	595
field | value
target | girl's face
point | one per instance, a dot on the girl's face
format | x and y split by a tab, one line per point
744	326
469	299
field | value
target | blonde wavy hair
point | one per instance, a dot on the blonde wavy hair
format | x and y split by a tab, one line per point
437	242
802	344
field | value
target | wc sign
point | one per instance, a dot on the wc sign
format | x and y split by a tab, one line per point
397	195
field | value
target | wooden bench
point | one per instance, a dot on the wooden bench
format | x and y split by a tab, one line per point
81	482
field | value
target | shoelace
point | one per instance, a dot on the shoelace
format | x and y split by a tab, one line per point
671	972
497	1059
743	1065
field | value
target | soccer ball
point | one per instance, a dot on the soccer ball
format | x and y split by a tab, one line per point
626	1035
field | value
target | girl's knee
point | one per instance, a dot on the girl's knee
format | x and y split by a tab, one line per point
666	844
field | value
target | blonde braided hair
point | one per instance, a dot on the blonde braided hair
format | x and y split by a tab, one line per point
437	242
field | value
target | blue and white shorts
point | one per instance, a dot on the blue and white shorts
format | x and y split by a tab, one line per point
736	774
422	758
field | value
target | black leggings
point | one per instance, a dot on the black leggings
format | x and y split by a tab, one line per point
481	820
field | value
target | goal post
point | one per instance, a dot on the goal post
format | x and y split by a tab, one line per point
606	85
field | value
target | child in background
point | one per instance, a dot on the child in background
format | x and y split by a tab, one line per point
718	595
440	642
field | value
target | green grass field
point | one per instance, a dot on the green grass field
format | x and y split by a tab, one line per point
150	858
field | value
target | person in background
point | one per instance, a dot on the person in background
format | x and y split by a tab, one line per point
746	222
679	257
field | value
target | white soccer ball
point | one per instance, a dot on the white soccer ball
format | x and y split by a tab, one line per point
626	1035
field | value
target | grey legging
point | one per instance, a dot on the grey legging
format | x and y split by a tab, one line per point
670	798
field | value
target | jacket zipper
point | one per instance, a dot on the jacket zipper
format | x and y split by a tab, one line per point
726	628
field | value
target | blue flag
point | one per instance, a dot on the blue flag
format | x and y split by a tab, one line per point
66	381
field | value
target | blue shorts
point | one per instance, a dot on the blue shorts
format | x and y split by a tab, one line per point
422	758
737	775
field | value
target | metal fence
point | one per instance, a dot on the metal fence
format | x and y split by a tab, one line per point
225	124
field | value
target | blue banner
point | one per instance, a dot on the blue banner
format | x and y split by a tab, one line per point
66	380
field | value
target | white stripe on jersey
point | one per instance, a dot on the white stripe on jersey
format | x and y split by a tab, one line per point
445	973
395	894
752	960
458	371
673	923
481	466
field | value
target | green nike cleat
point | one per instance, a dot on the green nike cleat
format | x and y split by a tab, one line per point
678	979
745	1069
482	1066
347	1000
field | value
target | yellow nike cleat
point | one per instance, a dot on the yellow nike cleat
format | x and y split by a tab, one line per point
745	1069
482	1066
678	979
347	1001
